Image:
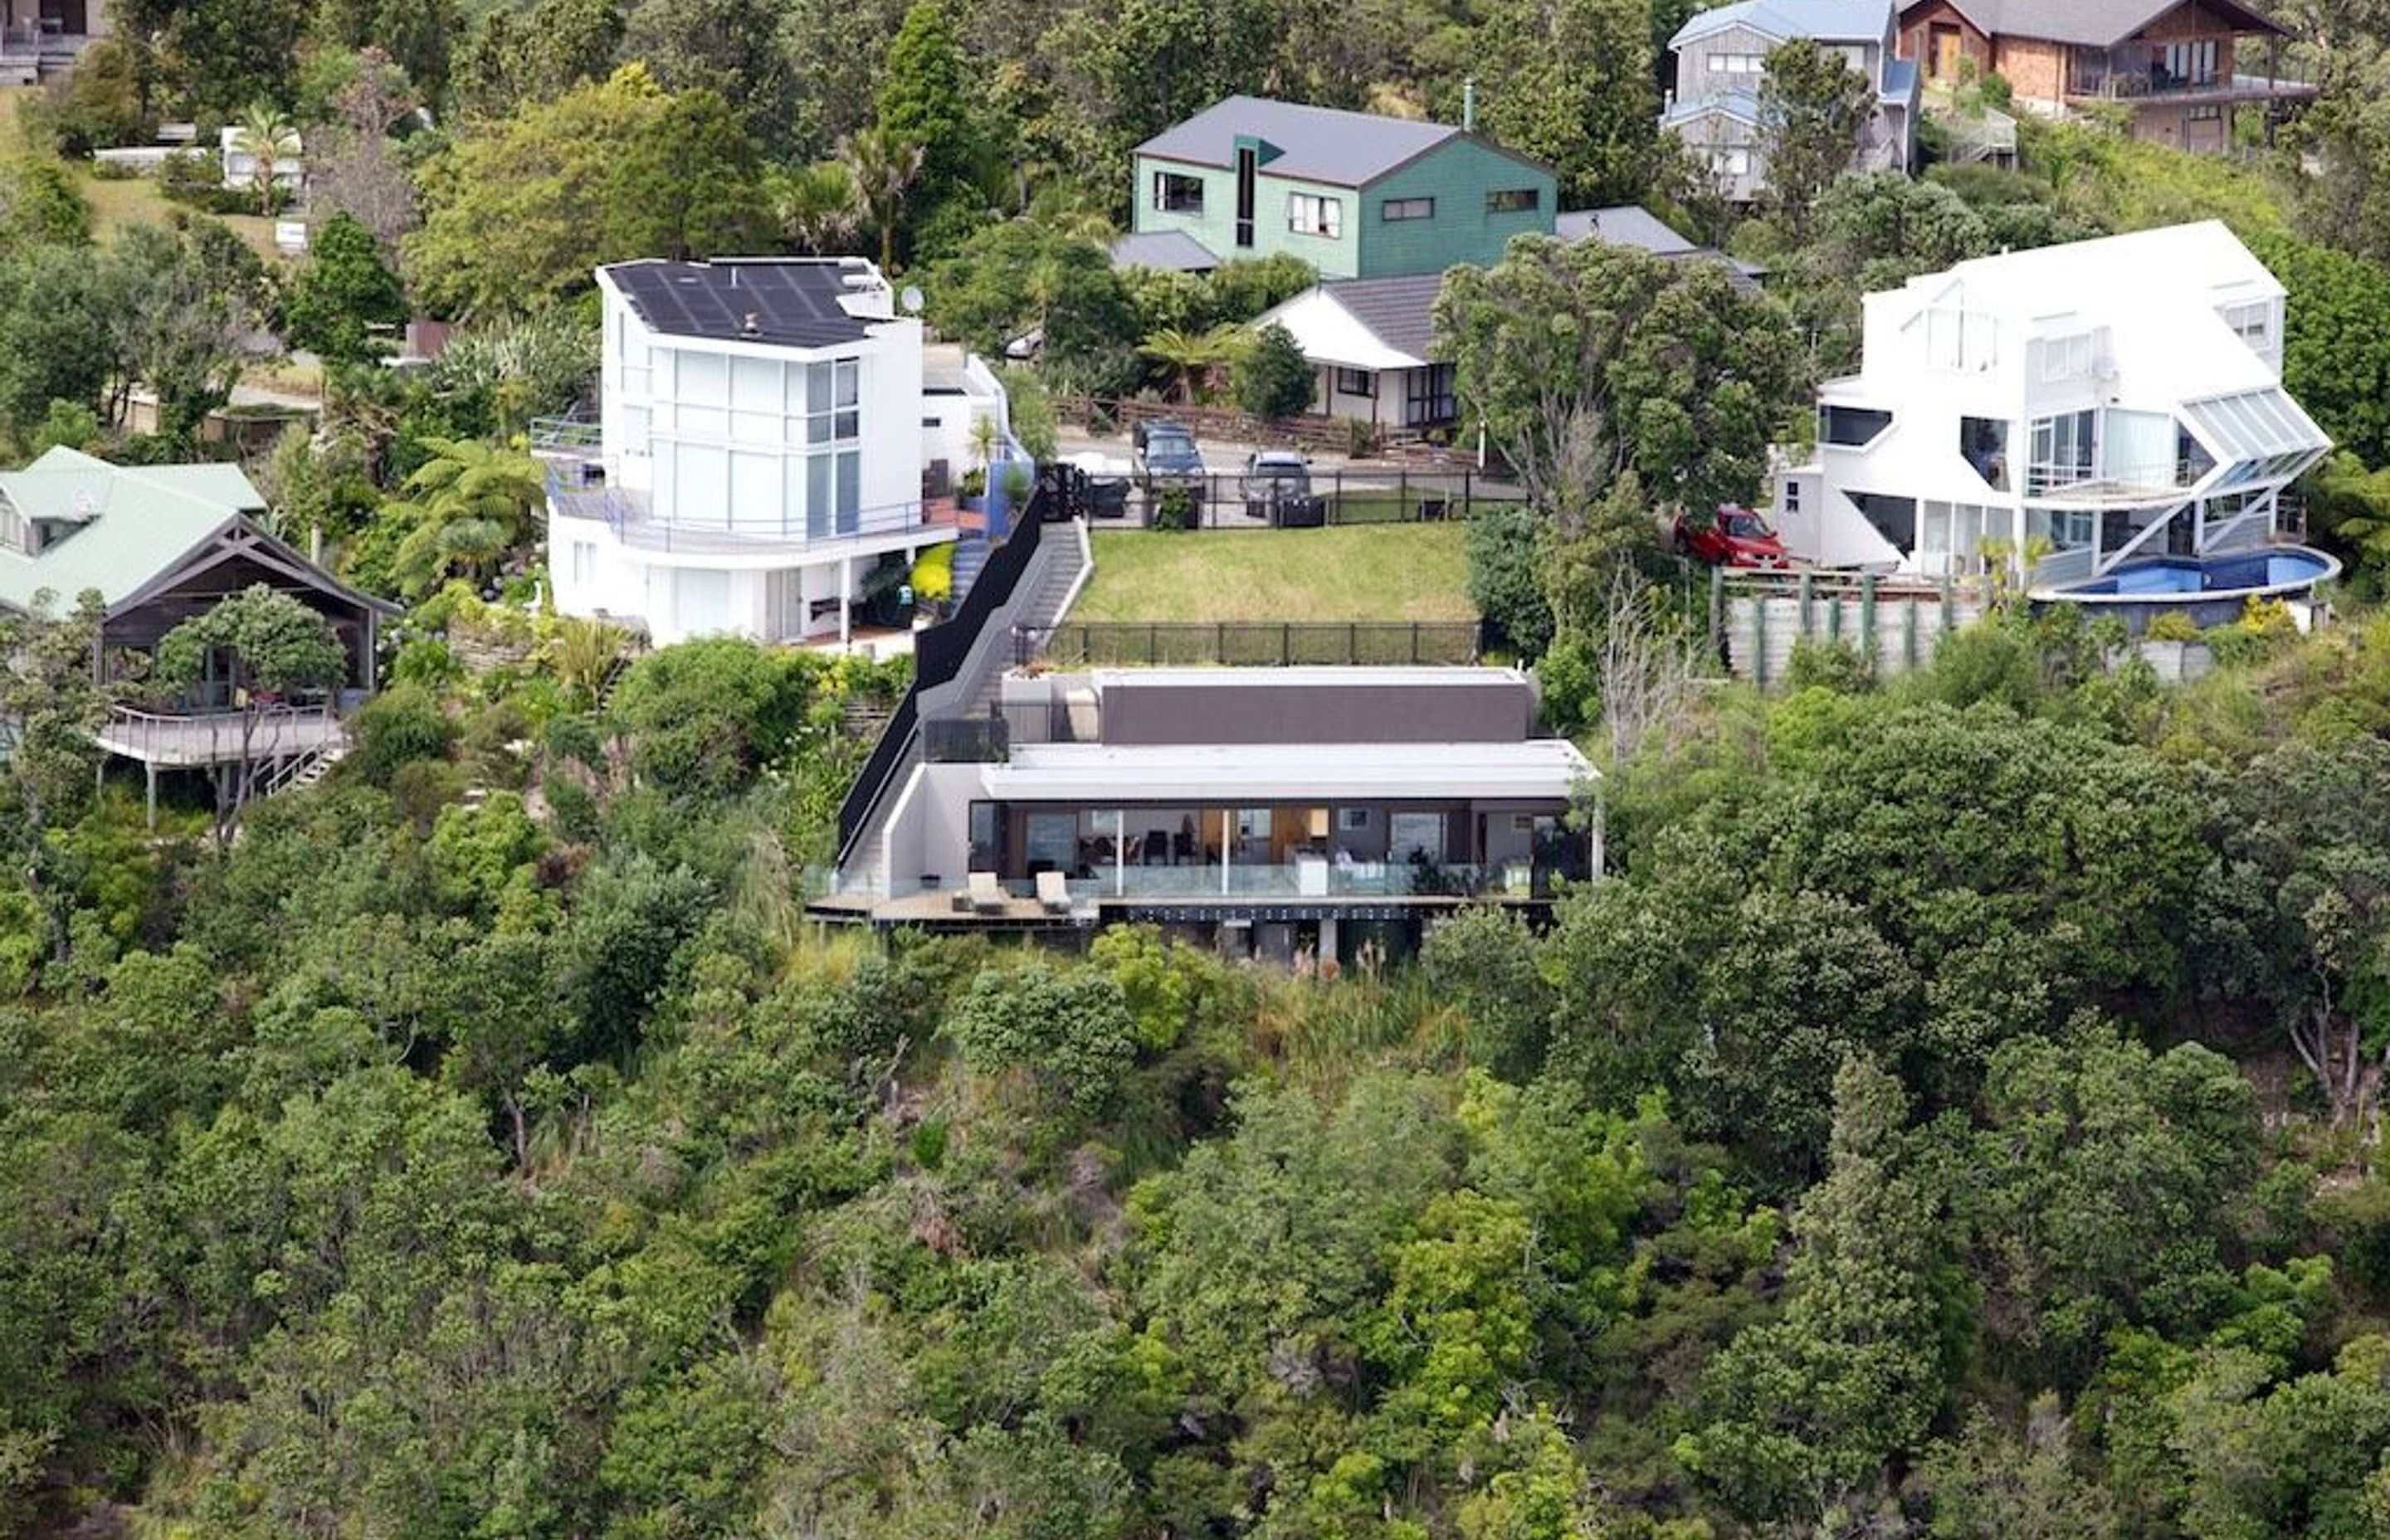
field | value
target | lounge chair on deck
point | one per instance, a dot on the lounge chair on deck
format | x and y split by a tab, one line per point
986	893
1054	892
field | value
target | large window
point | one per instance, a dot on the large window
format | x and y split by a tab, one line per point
1396	209
1176	194
1893	517
1309	214
1730	160
1514	200
2063	452
1428	397
1738	64
2191	62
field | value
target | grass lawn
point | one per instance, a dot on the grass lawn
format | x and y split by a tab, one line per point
1367	572
117	205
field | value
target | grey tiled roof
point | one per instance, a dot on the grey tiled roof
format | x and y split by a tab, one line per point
1164	251
1400	312
1316	144
2098	22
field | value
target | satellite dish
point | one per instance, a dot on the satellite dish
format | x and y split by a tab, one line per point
911	299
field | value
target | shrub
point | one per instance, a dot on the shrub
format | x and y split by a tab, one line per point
1506	579
401	725
1071	1029
2173	627
1835	665
1274	379
1174	507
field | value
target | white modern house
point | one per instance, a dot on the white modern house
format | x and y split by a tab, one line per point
770	431
1721	58
2088	404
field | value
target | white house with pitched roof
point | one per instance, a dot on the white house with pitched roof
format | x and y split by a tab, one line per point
2111	398
1722	59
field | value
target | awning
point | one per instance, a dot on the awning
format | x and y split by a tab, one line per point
1538	769
2250	426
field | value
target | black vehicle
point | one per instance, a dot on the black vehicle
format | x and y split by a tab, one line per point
1166	453
1276	487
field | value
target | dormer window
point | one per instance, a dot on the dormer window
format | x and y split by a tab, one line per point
2253	323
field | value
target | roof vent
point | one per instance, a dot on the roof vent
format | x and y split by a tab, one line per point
751	326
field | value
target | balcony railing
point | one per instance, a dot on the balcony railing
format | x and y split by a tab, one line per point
631	517
2140	75
2118	486
1310	879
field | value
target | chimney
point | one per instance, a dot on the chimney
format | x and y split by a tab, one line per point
1469	105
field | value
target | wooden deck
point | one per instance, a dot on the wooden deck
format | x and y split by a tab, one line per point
214	739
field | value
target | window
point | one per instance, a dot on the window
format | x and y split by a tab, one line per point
584	561
2253	323
1514	200
1738	64
1849	426
2211	114
2067	358
1356	382
1396	209
1352	820
2061	453
1963	341
1253	823
1730	160
1792	496
1175	194
2189	63
1893	517
1309	214
1247	161
832	390
1428	397
1984	444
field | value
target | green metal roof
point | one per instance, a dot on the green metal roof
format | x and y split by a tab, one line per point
138	523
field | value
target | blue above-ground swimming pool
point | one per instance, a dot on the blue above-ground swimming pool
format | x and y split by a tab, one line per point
2212	590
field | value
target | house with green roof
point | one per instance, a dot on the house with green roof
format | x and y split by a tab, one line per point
1357	195
160	544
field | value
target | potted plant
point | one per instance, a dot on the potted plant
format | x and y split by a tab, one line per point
970	489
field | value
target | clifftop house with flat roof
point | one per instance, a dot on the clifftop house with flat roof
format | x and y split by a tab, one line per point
1357	195
1279	807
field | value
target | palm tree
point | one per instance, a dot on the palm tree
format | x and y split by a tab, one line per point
816	206
883	168
1194	354
269	135
467	505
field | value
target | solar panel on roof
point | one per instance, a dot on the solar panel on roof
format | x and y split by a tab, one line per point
791	304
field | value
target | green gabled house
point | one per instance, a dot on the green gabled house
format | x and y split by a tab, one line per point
1353	194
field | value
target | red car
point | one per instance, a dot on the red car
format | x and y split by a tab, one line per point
1732	537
